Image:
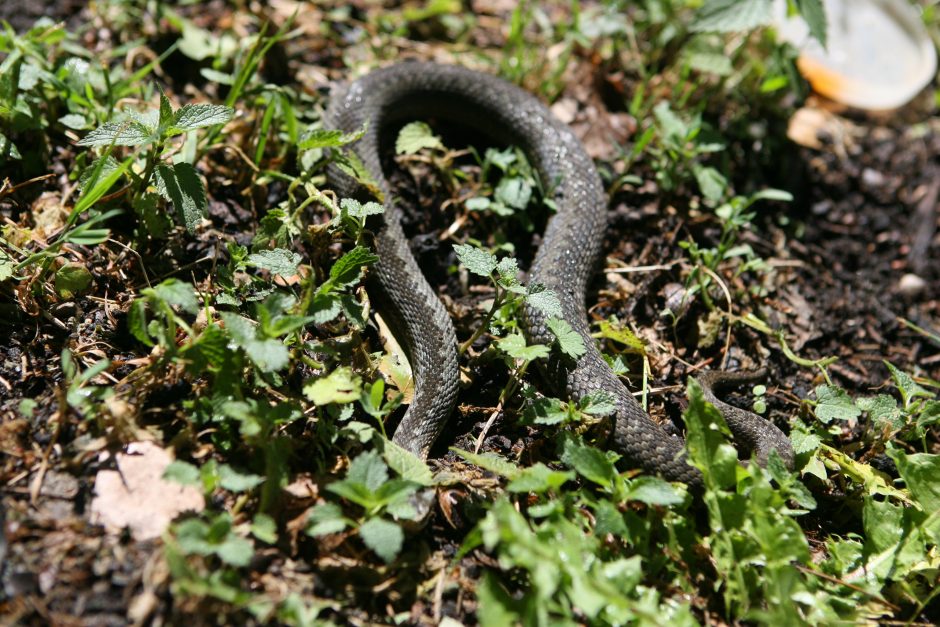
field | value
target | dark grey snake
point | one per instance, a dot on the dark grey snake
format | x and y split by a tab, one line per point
565	261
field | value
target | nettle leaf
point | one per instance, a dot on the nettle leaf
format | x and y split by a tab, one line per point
623	336
368	469
408	465
589	462
345	272
324	519
277	261
119	133
491	462
476	260
193	116
181	185
569	341
515	346
882	409
384	537
182	473
908	388
166	111
547	411
513	192
416	136
268	355
340	386
328	138
178	293
72	279
724	16
832	403
355	209
544	299
653	491
539	478
236	481
598	403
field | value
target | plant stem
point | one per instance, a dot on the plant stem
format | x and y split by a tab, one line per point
497	301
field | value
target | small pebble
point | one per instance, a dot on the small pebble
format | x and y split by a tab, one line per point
911	285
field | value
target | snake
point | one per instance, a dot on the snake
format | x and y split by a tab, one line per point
569	254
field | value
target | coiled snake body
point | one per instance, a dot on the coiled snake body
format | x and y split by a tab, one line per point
564	263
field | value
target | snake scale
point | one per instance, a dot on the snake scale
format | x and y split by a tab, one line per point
566	259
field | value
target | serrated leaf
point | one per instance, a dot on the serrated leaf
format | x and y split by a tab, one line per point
119	133
569	341
340	386
236	481
328	138
539	478
832	403
268	355
414	137
324	519
515	346
182	473
406	464
178	293
277	261
181	185
345	272
476	260
804	442
193	116
732	15
384	537
359	210
653	491
491	462
235	550
368	469
589	462
544	299
166	111
920	472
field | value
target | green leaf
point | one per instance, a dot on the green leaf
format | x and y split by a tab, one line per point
815	17
345	272
707	440
569	341
182	473
236	481
359	210
654	491
589	462
906	385
268	355
623	336
515	346
340	386
732	15
235	550
74	121
491	462
324	519
119	133
538	479
264	528
544	299
72	279
414	137
921	473
832	403
277	261
323	138
178	293
513	192
181	185
882	409
406	464
382	536
166	111
193	116
476	260
710	182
